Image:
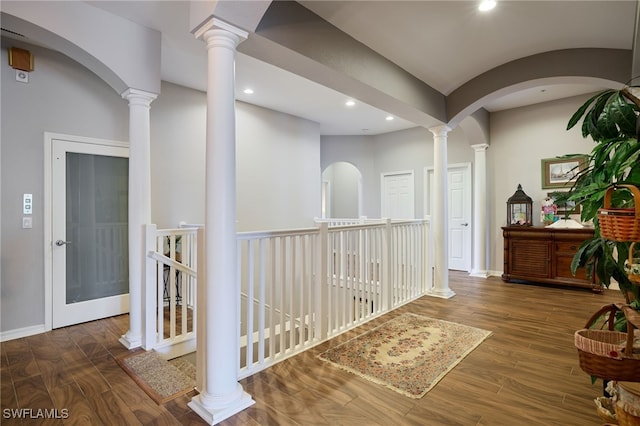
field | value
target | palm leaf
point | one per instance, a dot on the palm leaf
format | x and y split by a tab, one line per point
581	111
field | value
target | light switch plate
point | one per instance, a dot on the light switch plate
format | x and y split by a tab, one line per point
27	222
27	204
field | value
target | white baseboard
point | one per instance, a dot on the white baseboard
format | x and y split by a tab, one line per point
22	332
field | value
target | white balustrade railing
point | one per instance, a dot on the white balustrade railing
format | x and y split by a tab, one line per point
362	220
298	287
279	282
170	291
305	286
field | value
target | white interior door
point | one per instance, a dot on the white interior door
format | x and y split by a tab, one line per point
397	195
459	210
89	233
459	218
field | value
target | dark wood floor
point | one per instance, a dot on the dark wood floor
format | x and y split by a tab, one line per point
526	373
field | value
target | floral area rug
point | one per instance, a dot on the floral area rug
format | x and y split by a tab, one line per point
409	354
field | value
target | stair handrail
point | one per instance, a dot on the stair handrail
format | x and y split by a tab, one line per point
165	260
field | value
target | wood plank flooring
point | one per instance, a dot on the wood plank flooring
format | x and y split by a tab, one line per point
526	373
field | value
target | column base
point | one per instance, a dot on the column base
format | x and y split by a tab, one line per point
441	293
479	274
215	415
131	342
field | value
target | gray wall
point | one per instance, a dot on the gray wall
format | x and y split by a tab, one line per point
278	159
359	151
407	150
520	138
279	179
344	183
178	135
60	97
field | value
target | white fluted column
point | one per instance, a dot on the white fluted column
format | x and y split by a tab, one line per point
139	205
221	395
439	215
480	207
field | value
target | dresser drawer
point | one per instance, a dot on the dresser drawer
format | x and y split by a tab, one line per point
567	246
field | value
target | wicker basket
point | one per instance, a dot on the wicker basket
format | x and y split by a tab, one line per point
617	224
605	353
632	266
606	409
627	405
626	419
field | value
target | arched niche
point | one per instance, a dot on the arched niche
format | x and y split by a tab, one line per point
341	191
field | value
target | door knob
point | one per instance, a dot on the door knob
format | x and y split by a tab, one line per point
465	224
60	243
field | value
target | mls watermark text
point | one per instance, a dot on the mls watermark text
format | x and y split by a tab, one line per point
35	413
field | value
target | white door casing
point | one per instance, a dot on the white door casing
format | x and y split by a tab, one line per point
84	307
397	195
459	209
326	199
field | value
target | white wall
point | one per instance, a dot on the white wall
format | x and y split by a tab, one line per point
520	138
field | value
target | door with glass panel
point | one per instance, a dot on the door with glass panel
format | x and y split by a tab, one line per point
89	229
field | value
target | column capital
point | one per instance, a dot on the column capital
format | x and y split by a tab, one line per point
480	147
440	130
216	26
138	97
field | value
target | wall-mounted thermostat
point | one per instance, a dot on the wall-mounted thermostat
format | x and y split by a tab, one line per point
27	204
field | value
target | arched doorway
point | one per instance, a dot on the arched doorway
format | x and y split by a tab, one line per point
341	191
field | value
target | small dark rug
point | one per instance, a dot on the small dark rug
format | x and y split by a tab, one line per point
162	380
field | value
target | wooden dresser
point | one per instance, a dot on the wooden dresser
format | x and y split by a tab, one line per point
544	255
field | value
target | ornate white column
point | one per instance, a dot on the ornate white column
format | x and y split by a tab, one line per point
479	268
221	395
439	214
139	205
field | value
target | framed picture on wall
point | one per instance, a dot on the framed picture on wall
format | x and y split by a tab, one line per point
558	172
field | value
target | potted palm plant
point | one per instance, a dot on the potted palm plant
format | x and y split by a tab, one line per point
610	118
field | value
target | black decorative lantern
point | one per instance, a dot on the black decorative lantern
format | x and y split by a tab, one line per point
519	209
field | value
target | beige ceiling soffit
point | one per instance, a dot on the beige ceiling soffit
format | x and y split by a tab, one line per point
300	32
604	64
476	127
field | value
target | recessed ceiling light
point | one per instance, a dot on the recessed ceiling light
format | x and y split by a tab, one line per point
389	117
350	103
486	5
248	91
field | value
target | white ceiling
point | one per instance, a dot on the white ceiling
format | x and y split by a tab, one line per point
443	43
